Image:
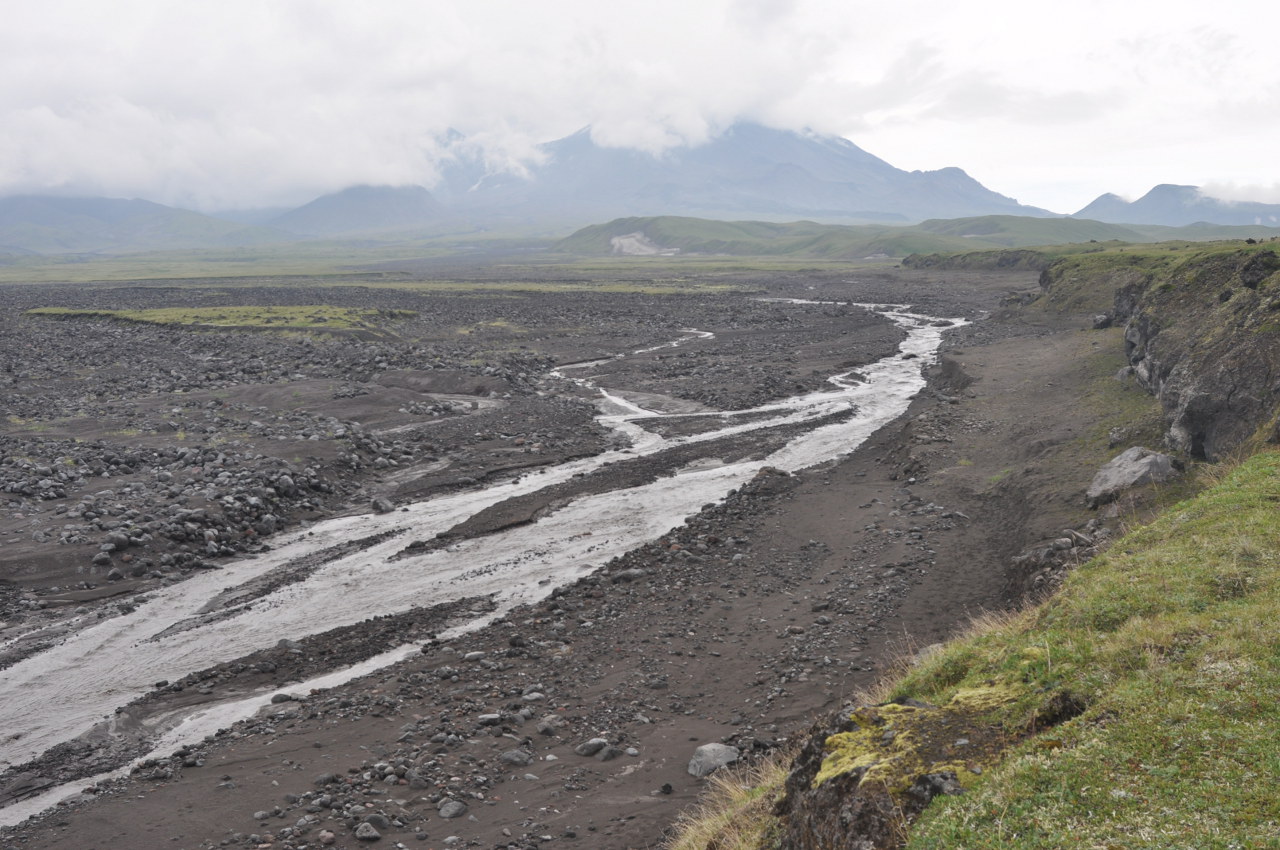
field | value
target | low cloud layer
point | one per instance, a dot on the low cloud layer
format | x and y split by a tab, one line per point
242	103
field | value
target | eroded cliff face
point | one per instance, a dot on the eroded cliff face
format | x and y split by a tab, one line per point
1203	335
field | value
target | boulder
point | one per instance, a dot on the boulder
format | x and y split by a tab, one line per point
711	757
1131	468
450	808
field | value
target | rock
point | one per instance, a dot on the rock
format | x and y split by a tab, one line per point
591	747
930	785
550	724
367	832
516	757
1131	468
382	505
610	753
449	809
1101	322
711	757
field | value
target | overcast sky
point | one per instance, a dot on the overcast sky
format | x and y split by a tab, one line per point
235	103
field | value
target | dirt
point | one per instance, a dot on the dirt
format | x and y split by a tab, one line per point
738	627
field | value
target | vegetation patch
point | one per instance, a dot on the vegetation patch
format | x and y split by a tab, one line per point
734	811
1170	640
312	318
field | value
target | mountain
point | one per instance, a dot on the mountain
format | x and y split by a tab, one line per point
749	170
36	224
1178	206
362	209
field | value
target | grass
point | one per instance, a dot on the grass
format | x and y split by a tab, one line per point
1139	705
293	318
733	813
863	241
1171	642
493	326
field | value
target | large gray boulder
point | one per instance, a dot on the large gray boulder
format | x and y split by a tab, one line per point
711	757
1131	468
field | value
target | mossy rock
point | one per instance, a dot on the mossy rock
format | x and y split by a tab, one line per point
859	785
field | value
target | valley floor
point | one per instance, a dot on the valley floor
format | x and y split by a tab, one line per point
740	626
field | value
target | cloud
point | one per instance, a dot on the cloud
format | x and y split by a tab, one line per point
242	102
1265	194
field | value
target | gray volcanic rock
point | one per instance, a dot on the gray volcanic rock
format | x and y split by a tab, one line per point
1131	468
709	758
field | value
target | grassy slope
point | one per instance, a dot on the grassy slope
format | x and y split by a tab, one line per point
1169	646
1171	641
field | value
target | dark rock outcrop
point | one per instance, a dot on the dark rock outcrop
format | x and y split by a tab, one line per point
1202	334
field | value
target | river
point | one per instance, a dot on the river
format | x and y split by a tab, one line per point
71	688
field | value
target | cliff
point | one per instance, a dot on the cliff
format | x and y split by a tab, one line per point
1202	334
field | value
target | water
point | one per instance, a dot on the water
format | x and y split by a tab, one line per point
63	692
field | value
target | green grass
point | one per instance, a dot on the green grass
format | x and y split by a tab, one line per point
292	318
734	813
994	233
1172	641
783	246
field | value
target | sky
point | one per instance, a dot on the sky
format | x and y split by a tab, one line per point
250	103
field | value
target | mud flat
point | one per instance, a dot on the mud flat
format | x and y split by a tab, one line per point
565	715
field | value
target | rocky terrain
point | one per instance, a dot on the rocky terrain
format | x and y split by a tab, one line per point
135	455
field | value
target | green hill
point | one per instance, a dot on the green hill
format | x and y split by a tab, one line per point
666	235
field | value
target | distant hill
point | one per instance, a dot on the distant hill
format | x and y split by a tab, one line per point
658	235
363	209
748	171
35	224
1178	206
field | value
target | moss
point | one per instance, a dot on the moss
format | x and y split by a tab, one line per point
894	743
